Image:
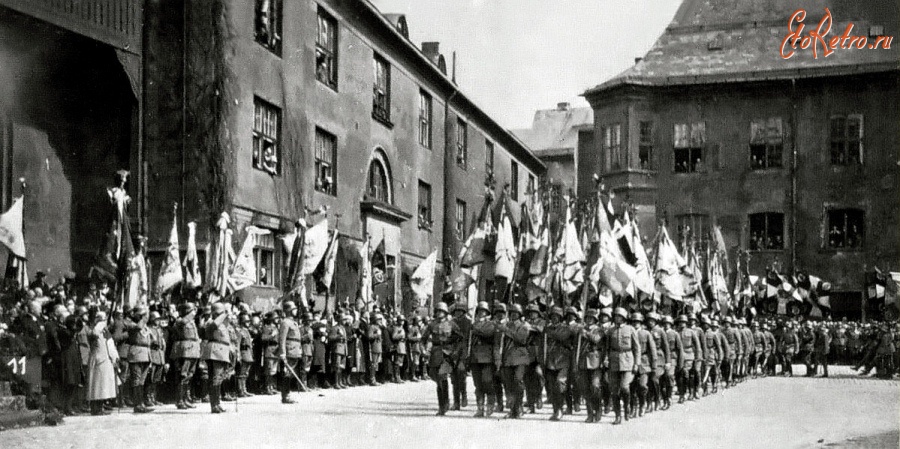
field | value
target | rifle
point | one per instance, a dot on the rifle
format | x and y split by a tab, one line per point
502	344
545	348
469	344
577	350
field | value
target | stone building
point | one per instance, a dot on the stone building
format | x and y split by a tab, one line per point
795	159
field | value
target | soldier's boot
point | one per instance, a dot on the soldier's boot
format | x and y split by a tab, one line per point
568	410
617	407
642	400
825	367
180	405
136	391
455	399
204	391
628	406
442	399
479	403
148	395
576	400
556	413
125	398
214	398
337	380
304	377
244	386
463	399
590	412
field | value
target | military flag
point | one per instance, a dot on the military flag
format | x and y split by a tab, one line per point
315	243
192	276
243	273
422	280
505	253
365	275
223	257
170	273
12	236
329	260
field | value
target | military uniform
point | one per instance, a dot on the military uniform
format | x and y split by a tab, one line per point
245	359
442	338
760	347
376	348
590	362
788	346
690	344
534	374
218	354
646	362
337	339
676	358
561	340
185	353
622	352
398	340
139	339
749	348
157	362
821	349
458	376
712	356
414	337
516	358
268	336
481	360
290	351
663	357
733	340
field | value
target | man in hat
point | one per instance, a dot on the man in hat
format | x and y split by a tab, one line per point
788	346
589	363
676	359
337	342
646	362
821	349
375	336
139	339
458	377
516	358
39	282
623	353
690	344
699	356
560	344
158	365
760	346
573	391
442	337
732	344
749	347
414	337
289	351
712	355
807	346
268	335
662	357
768	363
245	357
185	352
481	359
605	391
218	354
534	374
499	317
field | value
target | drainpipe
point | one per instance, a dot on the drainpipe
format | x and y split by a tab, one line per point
793	174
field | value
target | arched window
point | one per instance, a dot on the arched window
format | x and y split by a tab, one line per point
378	186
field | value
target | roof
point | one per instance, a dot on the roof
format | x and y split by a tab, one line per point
554	132
716	41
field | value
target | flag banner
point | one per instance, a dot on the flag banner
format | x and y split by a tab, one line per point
16	270
573	258
459	281
365	275
379	264
422	280
472	252
539	259
138	282
170	272
243	273
893	286
223	256
315	243
505	253
11	229
192	276
330	260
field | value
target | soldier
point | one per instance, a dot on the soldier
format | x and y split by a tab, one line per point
442	337
732	343
676	358
337	341
821	349
768	363
712	354
316	336
269	338
481	359
534	374
245	357
499	317
605	390
185	352
690	344
760	346
414	337
700	356
560	338
218	353
139	339
749	347
662	359
376	347
573	392
290	350
646	362
589	363
787	349
158	365
622	351
398	337
516	359
807	347
458	376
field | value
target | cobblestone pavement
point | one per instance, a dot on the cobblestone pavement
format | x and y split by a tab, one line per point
844	411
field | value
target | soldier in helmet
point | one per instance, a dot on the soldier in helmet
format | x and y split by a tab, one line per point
337	342
662	356
139	339
534	374
481	359
605	389
218	353
245	356
712	354
516	359
158	365
560	343
375	337
499	317
290	350
732	342
623	353
760	346
690	344
646	363
573	392
268	335
589	363
442	336
458	376
398	339
185	352
676	358
414	337
699	356
788	346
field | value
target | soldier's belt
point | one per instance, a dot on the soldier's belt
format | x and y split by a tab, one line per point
295	339
140	345
221	342
154	346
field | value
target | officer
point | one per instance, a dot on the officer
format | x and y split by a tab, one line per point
560	342
749	347
646	363
807	347
821	349
712	354
534	374
185	352
732	343
245	356
414	337
442	337
573	392
589	363
398	340
768	363
623	351
676	359
289	350
218	353
139	339
516	359
481	359
458	377
699	357
158	365
788	346
337	341
375	336
663	356
690	344
499	317
605	390
269	338
760	346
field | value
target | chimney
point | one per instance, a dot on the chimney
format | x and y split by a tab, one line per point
638	59
431	49
562	106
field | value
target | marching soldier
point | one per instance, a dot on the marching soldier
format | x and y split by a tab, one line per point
699	357
646	363
337	340
749	347
481	359
442	336
623	351
516	359
573	391
534	375
807	346
218	354
560	342
458	376
662	359
398	337
269	338
732	345
760	346
676	359
690	344
589	363
139	339
769	356
787	349
245	357
712	354
185	352
499	317
821	348
290	350
414	336
605	390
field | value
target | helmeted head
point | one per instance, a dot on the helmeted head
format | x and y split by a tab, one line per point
556	314
482	309
499	310
515	312
441	310
606	314
460	309
533	311
620	315
591	316
637	318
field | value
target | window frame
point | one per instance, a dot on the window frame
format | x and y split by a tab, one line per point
261	106
322	15
770	142
275	25
386	178
767	218
645	142
426	119
695	147
272	270
844	140
424	208
489	150
612	147
332	165
514	179
705	222
829	224
381	110
462	143
460	221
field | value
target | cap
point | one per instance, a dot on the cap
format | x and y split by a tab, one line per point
154	316
620	312
571	311
218	308
500	308
714	323
652	316
483	305
592	313
515	308
532	308
442	307
681	319
668	319
556	311
606	311
636	316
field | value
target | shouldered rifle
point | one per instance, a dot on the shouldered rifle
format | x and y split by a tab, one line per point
577	350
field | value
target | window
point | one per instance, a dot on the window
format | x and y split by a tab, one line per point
690	139
424	119
381	101
766	143
460	218
645	145
766	231
531	185
693	227
612	146
846	140
846	228
462	143
264	255
378	182
266	126
268	24
424	206
489	157
514	180
326	156
326	49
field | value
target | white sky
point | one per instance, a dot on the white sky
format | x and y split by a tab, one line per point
517	56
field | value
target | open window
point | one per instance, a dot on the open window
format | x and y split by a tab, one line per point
846	228
846	138
766	143
766	231
689	141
